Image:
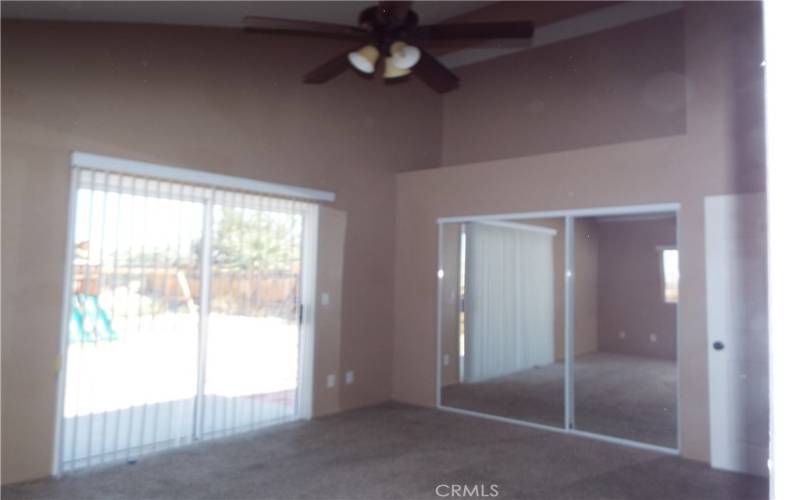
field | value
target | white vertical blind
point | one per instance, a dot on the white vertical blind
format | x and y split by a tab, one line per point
183	318
254	311
508	300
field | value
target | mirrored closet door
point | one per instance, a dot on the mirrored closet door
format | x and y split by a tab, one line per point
566	322
502	347
625	327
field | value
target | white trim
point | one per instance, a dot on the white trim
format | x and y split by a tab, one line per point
573	27
579	212
678	310
308	290
66	313
548	428
521	227
626	442
633	218
439	278
123	166
569	323
498	418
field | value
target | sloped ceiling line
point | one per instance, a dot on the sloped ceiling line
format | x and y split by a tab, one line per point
573	27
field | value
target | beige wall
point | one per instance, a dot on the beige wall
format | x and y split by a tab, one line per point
585	300
597	89
630	292
203	98
328	317
720	151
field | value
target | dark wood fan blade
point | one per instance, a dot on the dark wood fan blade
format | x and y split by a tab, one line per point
510	29
292	26
434	73
328	70
396	10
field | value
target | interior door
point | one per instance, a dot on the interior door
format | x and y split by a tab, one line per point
736	290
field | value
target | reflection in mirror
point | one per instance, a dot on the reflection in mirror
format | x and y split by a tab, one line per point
625	327
502	319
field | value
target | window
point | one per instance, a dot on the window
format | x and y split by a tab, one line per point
669	274
183	317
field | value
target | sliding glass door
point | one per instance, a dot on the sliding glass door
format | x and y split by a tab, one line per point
183	316
252	351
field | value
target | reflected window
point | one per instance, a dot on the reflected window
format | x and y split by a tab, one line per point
670	274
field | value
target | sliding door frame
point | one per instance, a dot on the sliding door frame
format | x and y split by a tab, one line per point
211	181
569	217
205	308
569	322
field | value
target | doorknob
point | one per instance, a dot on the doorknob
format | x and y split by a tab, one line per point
718	345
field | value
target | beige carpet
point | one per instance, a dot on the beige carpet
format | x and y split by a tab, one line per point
616	395
400	452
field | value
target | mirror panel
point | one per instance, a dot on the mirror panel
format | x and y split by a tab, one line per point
502	343
625	327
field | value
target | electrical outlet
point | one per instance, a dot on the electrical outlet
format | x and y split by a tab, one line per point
331	381
349	377
325	298
446	360
622	334
653	337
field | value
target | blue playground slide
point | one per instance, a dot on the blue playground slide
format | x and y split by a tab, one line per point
89	322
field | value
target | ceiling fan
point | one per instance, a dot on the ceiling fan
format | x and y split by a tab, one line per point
390	31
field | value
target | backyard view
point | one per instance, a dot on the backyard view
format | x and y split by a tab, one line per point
135	354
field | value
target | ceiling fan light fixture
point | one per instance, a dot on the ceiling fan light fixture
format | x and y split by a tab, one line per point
386	31
404	56
364	59
391	71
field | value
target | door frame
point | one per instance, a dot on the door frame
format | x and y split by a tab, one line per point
308	265
569	391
